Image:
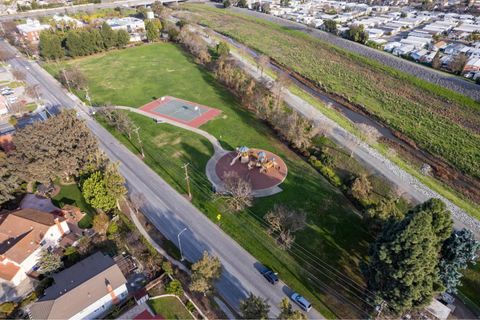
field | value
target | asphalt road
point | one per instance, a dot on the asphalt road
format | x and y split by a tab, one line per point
443	79
77	8
169	211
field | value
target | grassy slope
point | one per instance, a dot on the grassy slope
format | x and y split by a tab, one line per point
334	232
434	117
169	308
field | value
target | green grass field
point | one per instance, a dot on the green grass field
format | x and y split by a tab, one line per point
335	233
169	308
438	120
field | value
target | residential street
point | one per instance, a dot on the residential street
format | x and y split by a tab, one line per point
169	211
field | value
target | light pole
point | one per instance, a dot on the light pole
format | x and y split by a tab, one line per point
180	244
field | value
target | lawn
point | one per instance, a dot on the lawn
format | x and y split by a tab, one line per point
169	308
438	120
71	194
335	232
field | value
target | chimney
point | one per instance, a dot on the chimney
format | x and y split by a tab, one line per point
59	226
112	293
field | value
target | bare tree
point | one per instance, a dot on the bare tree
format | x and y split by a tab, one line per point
281	83
17	107
72	77
458	63
283	222
361	188
262	62
369	133
239	191
286	239
5	55
32	91
138	201
19	74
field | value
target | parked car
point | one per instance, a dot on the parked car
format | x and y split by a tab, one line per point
271	276
301	302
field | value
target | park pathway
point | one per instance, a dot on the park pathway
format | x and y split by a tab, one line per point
217	147
371	158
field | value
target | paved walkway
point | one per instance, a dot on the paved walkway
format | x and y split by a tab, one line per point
154	244
371	158
217	148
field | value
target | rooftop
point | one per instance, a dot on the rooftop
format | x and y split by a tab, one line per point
78	287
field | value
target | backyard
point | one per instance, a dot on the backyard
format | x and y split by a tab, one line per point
169	308
335	232
71	194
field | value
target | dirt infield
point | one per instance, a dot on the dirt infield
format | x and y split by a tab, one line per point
259	180
183	111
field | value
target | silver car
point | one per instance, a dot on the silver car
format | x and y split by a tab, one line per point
301	301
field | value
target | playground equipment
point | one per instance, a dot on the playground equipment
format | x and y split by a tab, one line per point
243	153
255	159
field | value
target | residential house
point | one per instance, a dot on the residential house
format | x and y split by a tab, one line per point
86	290
3	105
63	22
129	24
472	65
30	31
23	235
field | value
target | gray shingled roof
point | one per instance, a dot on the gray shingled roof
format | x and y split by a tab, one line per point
78	287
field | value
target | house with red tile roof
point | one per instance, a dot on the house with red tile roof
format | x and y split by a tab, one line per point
23	235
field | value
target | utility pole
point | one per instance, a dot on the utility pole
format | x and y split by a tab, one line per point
185	166
139	141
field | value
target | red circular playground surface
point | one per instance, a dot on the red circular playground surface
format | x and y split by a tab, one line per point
259	180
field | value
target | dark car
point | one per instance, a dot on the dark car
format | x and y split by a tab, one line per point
271	276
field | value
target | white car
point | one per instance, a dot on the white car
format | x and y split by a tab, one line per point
301	302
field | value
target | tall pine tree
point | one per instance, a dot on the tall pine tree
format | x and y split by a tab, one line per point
403	270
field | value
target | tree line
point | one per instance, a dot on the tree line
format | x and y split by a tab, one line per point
416	254
58	44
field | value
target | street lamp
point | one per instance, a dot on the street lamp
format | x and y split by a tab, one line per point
180	244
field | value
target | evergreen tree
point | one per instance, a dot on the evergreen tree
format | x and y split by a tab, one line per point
73	43
95	192
153	33
9	182
50	46
115	181
123	38
108	36
254	308
49	262
457	252
242	3
223	49
330	26
97	40
61	146
404	260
